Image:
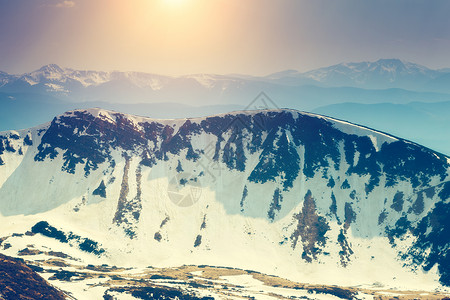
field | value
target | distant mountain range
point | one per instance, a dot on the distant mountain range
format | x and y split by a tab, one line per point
381	74
392	76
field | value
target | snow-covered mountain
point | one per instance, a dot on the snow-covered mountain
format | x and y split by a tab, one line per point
139	87
282	192
381	74
53	75
114	86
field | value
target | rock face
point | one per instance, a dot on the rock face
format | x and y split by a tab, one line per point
291	188
18	281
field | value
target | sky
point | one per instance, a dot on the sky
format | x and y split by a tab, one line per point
255	37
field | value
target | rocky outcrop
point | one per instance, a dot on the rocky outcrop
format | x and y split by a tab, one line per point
18	281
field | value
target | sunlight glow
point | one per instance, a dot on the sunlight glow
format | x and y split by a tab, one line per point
175	3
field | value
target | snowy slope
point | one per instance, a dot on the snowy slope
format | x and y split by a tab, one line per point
283	192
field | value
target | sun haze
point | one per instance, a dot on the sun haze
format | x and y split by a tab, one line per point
257	37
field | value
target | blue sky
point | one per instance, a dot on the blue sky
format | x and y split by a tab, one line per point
220	36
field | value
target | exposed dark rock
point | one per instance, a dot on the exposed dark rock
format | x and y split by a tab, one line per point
45	229
36	268
164	277
164	222
70	162
198	240
9	147
14	136
278	156
346	251
64	275
430	192
28	251
27	140
87	139
382	217
2	146
100	190
244	196
335	291
331	183
444	194
345	185
333	207
128	211
373	182
57	263
124	189
349	214
84	244
154	292
158	236
58	254
203	226
418	205
18	281
276	204
179	167
403	160
401	227
311	229
353	195
90	246
397	203
433	233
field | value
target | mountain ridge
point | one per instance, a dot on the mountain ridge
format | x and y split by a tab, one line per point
97	111
423	123
352	74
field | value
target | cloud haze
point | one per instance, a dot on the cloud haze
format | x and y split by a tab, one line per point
65	4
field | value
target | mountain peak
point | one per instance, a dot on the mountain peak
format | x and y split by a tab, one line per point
402	65
285	73
380	74
392	61
50	68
